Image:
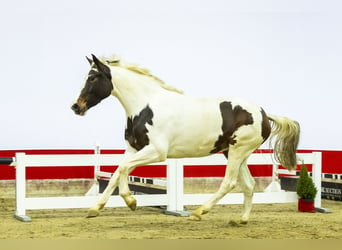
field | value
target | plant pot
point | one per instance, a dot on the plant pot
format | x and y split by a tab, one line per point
306	205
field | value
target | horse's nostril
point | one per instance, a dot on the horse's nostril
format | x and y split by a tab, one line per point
76	108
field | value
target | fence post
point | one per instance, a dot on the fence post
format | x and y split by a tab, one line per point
97	152
274	186
20	188
317	176
175	188
179	185
171	184
95	188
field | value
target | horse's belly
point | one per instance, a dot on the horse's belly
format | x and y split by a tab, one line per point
185	153
191	148
195	136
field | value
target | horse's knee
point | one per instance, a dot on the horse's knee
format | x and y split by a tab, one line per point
249	190
228	185
232	184
123	171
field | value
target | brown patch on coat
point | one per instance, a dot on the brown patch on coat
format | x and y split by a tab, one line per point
265	126
136	131
232	119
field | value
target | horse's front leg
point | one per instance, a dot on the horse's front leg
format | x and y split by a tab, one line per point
145	156
112	184
124	190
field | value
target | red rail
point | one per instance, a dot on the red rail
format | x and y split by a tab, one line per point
331	161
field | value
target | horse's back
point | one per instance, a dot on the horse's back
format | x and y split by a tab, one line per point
196	127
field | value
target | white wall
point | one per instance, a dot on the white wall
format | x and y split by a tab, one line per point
284	55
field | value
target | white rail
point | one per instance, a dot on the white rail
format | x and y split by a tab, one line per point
175	199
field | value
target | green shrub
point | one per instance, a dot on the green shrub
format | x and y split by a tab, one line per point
306	189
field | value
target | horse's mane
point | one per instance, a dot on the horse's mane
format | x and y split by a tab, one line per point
115	60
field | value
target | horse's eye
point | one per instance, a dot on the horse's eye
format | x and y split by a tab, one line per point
92	78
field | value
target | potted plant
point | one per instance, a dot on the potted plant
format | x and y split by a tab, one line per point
306	191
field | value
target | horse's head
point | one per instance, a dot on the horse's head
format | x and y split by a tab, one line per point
97	87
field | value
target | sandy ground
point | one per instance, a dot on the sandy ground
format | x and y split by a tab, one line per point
271	221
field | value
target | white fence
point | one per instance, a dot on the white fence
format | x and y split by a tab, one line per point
175	199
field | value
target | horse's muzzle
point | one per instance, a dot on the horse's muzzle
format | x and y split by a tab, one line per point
77	109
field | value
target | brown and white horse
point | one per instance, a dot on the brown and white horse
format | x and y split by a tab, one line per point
163	123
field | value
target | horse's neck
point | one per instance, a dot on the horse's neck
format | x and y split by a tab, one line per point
134	93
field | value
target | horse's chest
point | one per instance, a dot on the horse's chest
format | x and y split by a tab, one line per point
136	131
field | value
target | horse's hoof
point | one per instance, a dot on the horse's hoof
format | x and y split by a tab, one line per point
93	213
195	217
244	220
132	203
133	206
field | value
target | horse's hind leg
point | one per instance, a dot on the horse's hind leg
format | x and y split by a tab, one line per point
235	160
247	184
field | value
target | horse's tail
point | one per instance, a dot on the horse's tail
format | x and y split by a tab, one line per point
285	133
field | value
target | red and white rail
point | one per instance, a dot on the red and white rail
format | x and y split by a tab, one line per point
174	199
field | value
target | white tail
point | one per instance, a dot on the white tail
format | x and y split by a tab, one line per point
285	133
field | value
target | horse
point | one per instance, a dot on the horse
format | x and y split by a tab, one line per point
162	122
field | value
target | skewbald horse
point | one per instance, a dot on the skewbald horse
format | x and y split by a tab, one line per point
163	123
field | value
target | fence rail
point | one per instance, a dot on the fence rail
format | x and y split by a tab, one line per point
174	199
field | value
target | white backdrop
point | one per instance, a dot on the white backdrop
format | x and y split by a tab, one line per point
284	55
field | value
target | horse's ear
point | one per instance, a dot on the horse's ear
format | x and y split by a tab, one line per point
97	62
89	60
101	67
